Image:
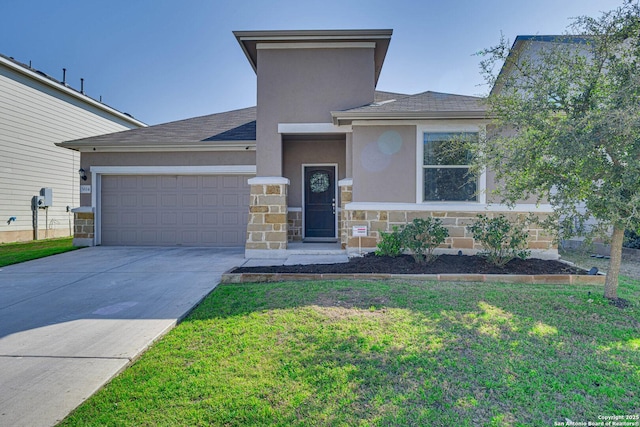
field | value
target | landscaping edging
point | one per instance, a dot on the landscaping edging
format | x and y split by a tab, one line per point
540	279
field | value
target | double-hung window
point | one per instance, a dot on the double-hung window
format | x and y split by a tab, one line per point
446	176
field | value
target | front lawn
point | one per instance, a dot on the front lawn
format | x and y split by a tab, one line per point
385	353
13	253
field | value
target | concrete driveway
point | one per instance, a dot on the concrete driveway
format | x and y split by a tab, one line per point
70	322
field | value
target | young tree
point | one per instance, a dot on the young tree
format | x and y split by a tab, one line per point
567	130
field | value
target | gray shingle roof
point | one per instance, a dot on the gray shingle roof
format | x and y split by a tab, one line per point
240	125
380	96
236	125
425	102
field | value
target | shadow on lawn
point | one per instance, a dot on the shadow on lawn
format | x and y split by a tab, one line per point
411	353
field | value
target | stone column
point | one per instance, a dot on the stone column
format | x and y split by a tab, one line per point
346	196
83	226
267	225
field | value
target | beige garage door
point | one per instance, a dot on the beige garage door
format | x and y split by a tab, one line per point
189	210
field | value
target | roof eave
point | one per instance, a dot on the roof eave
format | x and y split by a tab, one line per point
248	41
249	145
343	118
71	92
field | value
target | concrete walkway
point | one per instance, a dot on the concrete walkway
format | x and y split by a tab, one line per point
70	322
303	253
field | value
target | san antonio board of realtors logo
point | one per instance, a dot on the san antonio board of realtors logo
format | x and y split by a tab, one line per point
319	182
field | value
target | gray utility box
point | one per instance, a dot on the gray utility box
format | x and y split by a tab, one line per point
46	198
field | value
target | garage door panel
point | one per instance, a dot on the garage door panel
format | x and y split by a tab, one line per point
150	200
189	182
169	182
169	200
210	218
230	200
128	218
194	210
230	236
189	218
231	182
168	238
149	219
129	200
210	182
190	238
148	237
129	182
150	182
169	218
209	200
189	200
230	218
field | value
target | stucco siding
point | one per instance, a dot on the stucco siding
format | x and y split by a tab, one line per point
297	153
383	164
33	117
304	86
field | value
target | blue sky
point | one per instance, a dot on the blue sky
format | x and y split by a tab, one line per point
163	60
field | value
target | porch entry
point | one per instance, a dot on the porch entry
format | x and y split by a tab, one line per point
319	203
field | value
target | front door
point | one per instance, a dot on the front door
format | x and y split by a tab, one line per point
320	203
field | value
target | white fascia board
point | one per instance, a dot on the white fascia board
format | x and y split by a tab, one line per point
268	180
342	117
423	122
175	170
311	128
236	146
316	45
71	92
269	36
452	206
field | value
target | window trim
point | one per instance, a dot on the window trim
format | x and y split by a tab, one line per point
454	127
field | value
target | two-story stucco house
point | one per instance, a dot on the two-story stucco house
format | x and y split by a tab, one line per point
322	152
37	111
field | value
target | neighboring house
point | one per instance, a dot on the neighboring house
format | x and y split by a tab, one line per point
322	152
36	112
528	48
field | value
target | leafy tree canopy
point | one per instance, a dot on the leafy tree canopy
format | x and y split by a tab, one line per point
567	117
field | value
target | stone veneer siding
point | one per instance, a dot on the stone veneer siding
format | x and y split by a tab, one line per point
294	224
267	226
344	229
456	222
83	228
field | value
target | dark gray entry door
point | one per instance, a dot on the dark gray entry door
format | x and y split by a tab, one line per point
320	203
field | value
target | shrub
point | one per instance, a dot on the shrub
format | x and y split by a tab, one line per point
422	237
391	244
631	239
501	240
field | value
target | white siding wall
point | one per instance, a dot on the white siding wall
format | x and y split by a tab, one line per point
34	116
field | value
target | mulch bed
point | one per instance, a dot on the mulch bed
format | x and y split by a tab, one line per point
444	264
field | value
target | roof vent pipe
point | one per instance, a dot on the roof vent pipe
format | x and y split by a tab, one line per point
82	86
64	76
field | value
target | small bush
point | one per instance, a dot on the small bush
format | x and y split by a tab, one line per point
422	237
391	244
501	240
631	239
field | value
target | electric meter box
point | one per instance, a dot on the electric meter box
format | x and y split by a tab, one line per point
47	197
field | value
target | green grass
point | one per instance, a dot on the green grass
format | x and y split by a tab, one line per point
13	253
351	353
